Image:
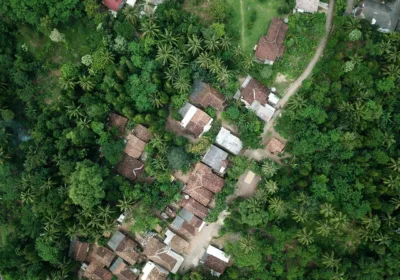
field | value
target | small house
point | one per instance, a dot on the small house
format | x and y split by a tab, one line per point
205	95
275	146
78	250
134	146
194	221
270	47
217	159
142	133
216	260
306	6
152	271
101	255
96	271
203	183
124	247
123	272
273	99
130	167
384	14
183	227
193	206
175	242
229	142
162	255
118	122
195	121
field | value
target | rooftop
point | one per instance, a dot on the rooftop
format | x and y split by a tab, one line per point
275	146
130	167
195	207
183	227
216	259
124	247
176	242
118	121
120	269
229	141
271	47
195	120
100	255
384	14
310	6
95	271
216	158
252	90
142	133
205	95
264	112
78	250
152	271
134	146
114	5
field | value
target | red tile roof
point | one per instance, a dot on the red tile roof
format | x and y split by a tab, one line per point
254	90
194	207
95	271
215	264
142	133
100	255
79	250
271	47
157	252
114	5
209	96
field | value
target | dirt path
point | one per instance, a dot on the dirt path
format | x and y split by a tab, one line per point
350	6
198	245
242	16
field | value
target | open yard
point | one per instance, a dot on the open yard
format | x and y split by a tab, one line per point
251	19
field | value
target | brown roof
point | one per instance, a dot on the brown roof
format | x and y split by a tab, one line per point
198	122
194	207
142	133
123	272
118	121
126	250
134	146
255	91
79	250
129	166
157	252
157	273
271	47
196	222
209	96
275	146
95	271
100	255
215	264
178	244
170	212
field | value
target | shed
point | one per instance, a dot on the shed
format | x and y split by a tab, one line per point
134	146
152	271
118	121
216	260
275	146
228	141
114	5
216	158
176	242
195	121
142	133
273	99
130	167
309	6
205	95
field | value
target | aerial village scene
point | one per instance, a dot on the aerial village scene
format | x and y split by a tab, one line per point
200	139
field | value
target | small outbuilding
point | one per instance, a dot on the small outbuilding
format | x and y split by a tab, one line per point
114	5
217	159
228	141
134	146
275	146
307	6
205	95
195	121
152	271
142	133
118	121
175	242
216	260
130	167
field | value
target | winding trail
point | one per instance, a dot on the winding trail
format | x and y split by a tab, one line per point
242	16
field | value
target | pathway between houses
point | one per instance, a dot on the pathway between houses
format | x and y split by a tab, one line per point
294	87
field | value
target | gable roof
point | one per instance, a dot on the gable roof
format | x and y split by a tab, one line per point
101	255
114	5
216	259
229	141
183	227
195	120
120	269
205	95
264	112
310	6
176	242
271	47
134	146
95	271
124	247
275	146
152	271
191	219
130	167
252	90
216	158
159	253
118	121
194	207
78	250
142	133
385	15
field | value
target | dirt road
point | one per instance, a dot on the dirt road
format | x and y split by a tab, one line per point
350	6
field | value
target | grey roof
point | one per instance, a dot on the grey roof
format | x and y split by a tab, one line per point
183	111
186	214
229	141
215	157
178	222
116	264
385	15
115	240
197	88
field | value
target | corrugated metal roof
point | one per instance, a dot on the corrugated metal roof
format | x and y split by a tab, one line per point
115	240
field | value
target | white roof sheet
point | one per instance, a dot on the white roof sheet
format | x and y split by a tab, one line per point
273	99
211	250
229	141
131	2
310	6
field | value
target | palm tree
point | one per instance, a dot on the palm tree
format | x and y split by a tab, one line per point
3	156
297	102
247	244
388	140
305	237
86	83
395	165
158	99
47	185
150	29
393	56
84	122
223	75
212	43
248	62
177	63
215	65
194	45
261	195
159	163
371	222
323	229
67	83
72	231
392	70
157	142
392	183
329	261
327	210
382	239
27	196
108	227
277	206
339	220
254	205
389	220
169	38
182	84
106	57
271	186
169	75
105	212
303	198
396	202
365	234
164	54
269	168
125	204
299	215
204	60
351	24
237	52
3	85
74	111
132	15
225	42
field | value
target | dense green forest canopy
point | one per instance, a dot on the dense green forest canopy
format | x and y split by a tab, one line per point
331	212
